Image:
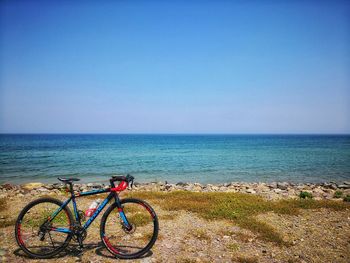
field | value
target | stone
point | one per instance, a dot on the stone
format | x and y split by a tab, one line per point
333	186
7	186
283	185
168	187
343	186
31	186
181	184
272	185
2	252
49	186
197	188
250	191
42	189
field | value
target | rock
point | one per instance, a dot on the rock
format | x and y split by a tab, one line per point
181	184
283	185
57	186
278	190
343	186
42	189
197	188
168	186
250	191
333	186
272	185
346	182
49	186
318	192
31	186
8	186
94	185
212	188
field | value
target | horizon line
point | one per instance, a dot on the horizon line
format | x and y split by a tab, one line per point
158	133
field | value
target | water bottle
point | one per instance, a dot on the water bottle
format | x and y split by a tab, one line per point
92	208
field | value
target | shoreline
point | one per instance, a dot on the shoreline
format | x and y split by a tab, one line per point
270	191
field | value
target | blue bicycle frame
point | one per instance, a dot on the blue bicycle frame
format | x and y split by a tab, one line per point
112	195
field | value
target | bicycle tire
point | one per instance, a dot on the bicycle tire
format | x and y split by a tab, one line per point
104	236
19	229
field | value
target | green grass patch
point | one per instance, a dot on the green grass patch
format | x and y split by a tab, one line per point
346	198
338	194
237	207
305	195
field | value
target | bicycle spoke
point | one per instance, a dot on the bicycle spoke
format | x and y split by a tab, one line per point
34	233
51	240
135	240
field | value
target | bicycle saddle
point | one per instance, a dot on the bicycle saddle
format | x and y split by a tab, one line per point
68	180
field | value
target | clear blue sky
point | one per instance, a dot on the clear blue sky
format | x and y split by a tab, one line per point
175	66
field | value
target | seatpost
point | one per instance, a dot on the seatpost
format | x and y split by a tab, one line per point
71	188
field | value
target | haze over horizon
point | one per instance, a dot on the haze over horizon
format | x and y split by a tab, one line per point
221	67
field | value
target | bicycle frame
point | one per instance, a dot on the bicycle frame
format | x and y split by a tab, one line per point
113	194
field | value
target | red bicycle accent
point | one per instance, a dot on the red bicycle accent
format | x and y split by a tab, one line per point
109	245
19	234
121	187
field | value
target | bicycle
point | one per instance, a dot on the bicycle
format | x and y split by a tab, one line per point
45	226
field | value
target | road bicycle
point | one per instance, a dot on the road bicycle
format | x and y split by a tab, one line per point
128	229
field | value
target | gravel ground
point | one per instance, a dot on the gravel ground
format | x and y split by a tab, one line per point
314	236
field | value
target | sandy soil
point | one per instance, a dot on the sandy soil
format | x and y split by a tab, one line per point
314	236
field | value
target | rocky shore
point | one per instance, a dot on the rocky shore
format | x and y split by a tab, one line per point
270	191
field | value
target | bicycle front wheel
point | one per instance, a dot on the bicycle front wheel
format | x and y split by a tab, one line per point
35	229
138	237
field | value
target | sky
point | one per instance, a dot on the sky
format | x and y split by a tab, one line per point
175	66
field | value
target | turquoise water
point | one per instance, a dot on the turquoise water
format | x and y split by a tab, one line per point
195	158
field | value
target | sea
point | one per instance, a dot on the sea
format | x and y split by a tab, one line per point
175	158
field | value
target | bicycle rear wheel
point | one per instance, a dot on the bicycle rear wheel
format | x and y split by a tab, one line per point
129	243
34	233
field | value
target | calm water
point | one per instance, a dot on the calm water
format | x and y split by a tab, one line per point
200	158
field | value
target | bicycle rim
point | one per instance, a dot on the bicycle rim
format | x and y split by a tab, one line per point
29	231
133	243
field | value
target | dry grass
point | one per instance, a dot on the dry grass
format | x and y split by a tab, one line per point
233	247
167	217
237	207
6	221
200	234
2	203
247	259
